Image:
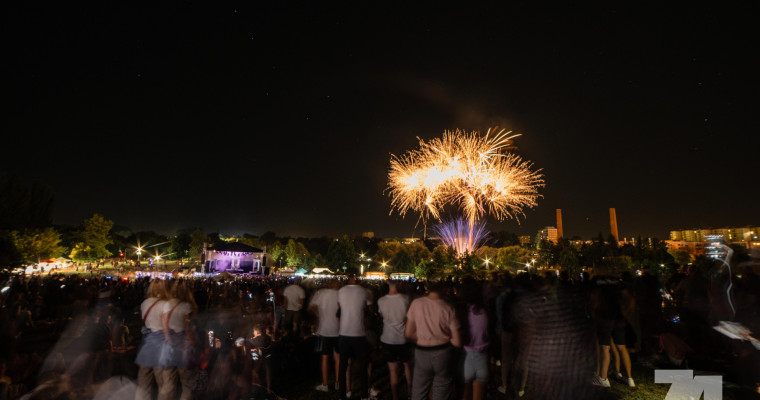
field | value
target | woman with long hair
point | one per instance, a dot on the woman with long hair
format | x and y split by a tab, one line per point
177	312
148	375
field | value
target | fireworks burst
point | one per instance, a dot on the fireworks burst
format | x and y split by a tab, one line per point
461	236
473	172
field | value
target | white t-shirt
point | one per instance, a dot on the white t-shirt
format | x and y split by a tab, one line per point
393	307
352	300
326	301
293	294
177	319
153	322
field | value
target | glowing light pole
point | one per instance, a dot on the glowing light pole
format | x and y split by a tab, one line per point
487	262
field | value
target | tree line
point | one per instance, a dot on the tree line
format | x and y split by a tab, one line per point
28	236
96	238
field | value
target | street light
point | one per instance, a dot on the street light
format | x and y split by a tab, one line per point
533	261
487	261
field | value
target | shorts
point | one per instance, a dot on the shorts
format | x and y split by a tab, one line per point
291	317
394	353
607	328
476	366
326	345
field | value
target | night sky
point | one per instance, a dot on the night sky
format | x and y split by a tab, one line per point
253	116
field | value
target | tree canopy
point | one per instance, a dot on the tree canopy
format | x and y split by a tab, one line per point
35	245
93	237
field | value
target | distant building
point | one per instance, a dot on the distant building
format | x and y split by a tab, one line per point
743	234
525	239
234	258
694	248
549	233
368	235
695	240
410	240
578	243
699	248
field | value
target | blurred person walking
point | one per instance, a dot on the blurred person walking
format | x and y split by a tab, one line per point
294	296
148	374
177	312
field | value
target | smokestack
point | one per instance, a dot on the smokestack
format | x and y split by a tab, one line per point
613	224
559	224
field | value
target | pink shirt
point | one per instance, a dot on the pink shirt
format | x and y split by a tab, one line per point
434	321
478	324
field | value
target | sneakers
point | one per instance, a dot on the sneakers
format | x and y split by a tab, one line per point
348	394
373	392
502	389
598	381
322	388
627	381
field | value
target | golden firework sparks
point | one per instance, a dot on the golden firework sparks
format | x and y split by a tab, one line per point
473	172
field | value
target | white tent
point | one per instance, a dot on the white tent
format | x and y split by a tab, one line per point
321	271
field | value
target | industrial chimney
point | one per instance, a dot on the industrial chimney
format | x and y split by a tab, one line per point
559	224
613	224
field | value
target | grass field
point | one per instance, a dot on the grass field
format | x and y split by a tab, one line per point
646	389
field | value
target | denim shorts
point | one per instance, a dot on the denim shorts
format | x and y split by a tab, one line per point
476	366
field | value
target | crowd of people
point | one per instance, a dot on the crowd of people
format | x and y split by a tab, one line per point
528	335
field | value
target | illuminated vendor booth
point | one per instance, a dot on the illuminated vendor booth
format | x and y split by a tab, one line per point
235	258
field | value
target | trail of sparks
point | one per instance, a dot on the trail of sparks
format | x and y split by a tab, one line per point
473	172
